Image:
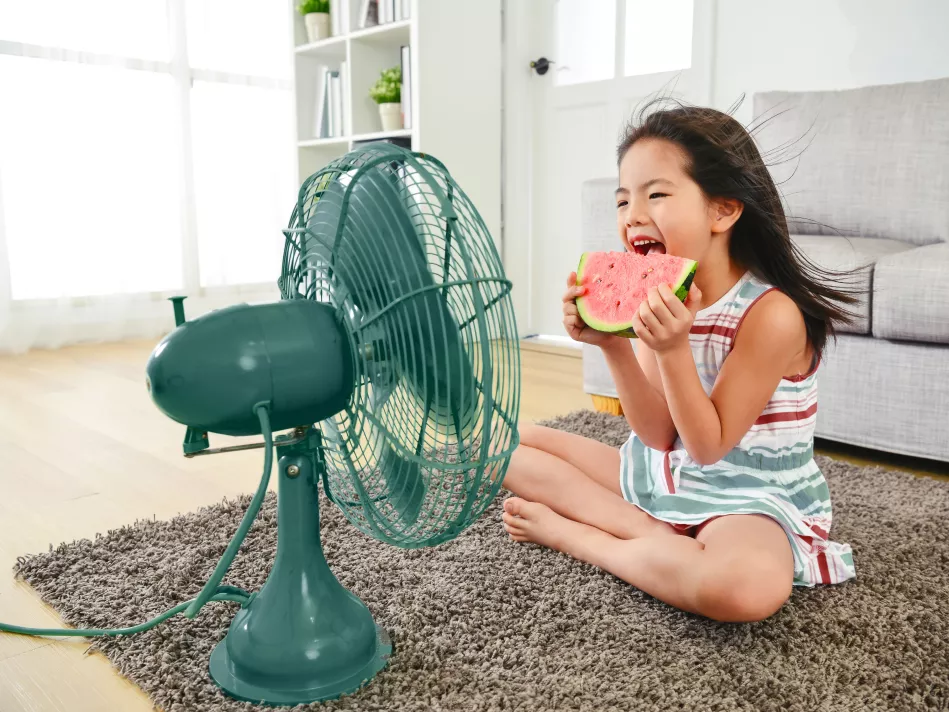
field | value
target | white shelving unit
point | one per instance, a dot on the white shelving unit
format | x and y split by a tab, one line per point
455	50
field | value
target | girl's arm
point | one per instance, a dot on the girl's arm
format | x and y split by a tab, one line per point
771	340
639	386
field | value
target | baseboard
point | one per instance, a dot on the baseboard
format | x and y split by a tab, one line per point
552	345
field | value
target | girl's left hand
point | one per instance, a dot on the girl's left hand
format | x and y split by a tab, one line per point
663	322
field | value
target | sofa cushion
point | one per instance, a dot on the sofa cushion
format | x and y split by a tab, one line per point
911	295
856	255
874	162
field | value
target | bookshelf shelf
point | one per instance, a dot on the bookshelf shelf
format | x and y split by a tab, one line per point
334	47
404	133
392	32
316	142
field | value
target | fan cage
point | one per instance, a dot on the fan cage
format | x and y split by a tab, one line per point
461	464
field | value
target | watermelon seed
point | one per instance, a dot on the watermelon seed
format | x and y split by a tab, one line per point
644	275
617	303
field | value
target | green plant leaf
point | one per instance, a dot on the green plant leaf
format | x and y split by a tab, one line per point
388	87
308	6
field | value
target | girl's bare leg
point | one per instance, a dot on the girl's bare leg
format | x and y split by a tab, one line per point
739	568
577	478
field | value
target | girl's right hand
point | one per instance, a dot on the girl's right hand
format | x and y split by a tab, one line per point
576	328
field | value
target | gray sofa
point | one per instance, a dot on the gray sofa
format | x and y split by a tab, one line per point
870	190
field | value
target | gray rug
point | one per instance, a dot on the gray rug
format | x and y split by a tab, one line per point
484	624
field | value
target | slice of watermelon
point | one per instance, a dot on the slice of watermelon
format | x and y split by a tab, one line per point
618	282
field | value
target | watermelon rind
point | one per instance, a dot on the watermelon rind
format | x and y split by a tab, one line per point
680	287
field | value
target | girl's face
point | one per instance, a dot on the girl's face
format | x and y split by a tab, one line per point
659	208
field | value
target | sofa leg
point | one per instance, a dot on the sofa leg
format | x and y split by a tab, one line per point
606	404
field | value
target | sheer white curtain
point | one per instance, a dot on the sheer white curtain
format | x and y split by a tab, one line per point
146	150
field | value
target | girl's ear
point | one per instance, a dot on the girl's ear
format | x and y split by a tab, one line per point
724	213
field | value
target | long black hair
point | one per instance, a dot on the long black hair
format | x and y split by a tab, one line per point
723	159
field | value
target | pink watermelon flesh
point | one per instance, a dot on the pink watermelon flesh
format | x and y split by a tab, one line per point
618	282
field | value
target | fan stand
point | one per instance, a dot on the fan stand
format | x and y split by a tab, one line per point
303	637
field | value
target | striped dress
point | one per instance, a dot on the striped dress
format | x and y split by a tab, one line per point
771	471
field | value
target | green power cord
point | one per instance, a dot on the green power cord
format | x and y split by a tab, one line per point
212	590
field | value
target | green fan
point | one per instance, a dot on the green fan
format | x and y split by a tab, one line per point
392	359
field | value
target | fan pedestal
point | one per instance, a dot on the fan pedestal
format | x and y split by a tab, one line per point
304	637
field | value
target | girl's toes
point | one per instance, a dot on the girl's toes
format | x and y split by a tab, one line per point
513	505
512	529
511	520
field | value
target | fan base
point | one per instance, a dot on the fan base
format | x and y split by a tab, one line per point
301	690
303	637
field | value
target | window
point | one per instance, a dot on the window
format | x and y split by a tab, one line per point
658	36
586	41
130	166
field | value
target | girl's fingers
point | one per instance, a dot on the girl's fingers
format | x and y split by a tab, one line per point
639	328
694	301
671	302
658	306
573	292
572	322
572	279
648	318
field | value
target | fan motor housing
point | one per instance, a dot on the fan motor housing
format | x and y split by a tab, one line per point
211	372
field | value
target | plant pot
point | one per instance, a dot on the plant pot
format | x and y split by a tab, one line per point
317	25
391	115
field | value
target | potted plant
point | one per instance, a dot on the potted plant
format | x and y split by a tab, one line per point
316	15
387	93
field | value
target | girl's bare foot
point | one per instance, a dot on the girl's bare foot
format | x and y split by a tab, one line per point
534	522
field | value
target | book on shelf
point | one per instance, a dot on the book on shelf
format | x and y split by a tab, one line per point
331	112
321	128
336	17
336	105
406	55
343	92
389	11
369	14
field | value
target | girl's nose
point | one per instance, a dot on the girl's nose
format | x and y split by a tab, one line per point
634	219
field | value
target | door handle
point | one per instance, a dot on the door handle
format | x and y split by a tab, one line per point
541	65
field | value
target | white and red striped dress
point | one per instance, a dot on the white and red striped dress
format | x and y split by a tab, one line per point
771	471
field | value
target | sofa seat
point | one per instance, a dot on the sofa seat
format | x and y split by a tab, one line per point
911	295
844	254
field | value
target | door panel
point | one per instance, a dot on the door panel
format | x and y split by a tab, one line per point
562	127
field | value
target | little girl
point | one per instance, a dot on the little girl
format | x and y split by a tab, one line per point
715	504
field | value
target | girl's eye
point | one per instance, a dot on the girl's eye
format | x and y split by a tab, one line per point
621	204
658	195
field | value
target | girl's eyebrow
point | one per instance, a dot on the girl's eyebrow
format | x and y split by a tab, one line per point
648	183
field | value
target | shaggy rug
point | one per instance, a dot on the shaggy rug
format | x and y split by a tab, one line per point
481	623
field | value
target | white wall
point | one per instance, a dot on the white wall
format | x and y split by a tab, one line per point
763	45
459	117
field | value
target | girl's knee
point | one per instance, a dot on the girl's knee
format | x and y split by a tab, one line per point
749	594
529	433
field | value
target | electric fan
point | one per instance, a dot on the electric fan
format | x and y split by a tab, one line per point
392	360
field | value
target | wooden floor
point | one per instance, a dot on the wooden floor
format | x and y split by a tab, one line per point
83	450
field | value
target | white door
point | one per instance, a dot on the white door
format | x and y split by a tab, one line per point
562	127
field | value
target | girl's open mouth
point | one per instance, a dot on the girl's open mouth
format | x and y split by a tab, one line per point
644	246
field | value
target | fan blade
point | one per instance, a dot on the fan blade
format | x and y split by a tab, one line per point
379	259
405	485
